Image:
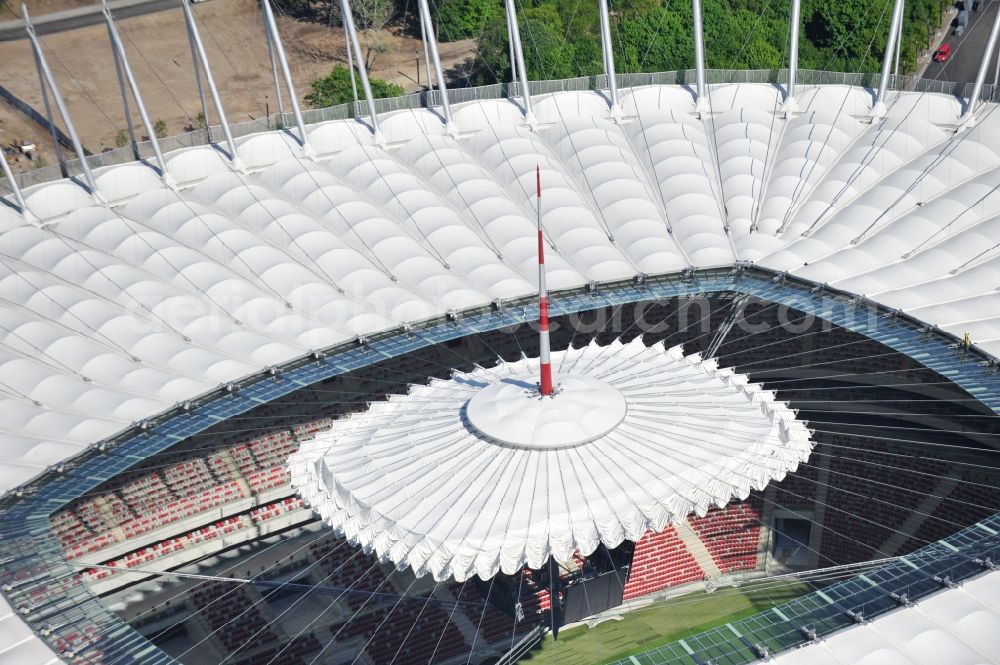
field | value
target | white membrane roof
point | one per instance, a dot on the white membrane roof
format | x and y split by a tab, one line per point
114	310
960	626
411	480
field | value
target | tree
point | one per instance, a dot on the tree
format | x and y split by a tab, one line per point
561	37
848	34
462	19
121	138
335	88
160	128
371	18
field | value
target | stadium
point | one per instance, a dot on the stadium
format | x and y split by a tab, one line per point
689	367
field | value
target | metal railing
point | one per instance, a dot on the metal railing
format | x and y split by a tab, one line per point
430	98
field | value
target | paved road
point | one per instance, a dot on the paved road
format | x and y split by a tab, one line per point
967	54
78	18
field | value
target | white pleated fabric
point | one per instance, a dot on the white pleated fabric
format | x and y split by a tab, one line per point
411	481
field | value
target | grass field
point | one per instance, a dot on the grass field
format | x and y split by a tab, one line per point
658	624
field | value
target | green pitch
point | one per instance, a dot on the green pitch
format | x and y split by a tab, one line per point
660	624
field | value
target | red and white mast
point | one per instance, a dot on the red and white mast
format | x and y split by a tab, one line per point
543	300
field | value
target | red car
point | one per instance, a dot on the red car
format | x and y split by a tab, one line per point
941	55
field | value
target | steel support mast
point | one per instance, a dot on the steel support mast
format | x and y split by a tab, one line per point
701	101
544	357
46	77
348	20
234	157
274	38
609	58
121	60
517	64
430	39
895	25
16	191
790	106
968	118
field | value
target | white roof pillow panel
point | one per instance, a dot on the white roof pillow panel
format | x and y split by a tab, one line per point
473	189
304	333
224	243
810	145
847	263
656	98
567	217
433	220
742	138
931	108
368	230
926	178
65	352
936	260
754	246
468	255
555	108
66	393
763	96
337	135
404	125
946	216
983	306
834	99
51	299
55	199
982	332
640	229
650	130
852	225
679	159
484	114
977	280
341	267
193	164
9	217
184	268
29	420
283	225
878	151
522	253
922	640
133	328
116	183
259	150
24	452
262	350
24	374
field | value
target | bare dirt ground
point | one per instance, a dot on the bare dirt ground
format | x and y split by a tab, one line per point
157	46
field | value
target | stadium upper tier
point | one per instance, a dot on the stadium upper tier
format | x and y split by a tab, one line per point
119	306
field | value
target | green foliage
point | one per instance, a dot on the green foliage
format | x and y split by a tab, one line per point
121	138
561	37
160	129
464	19
335	88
